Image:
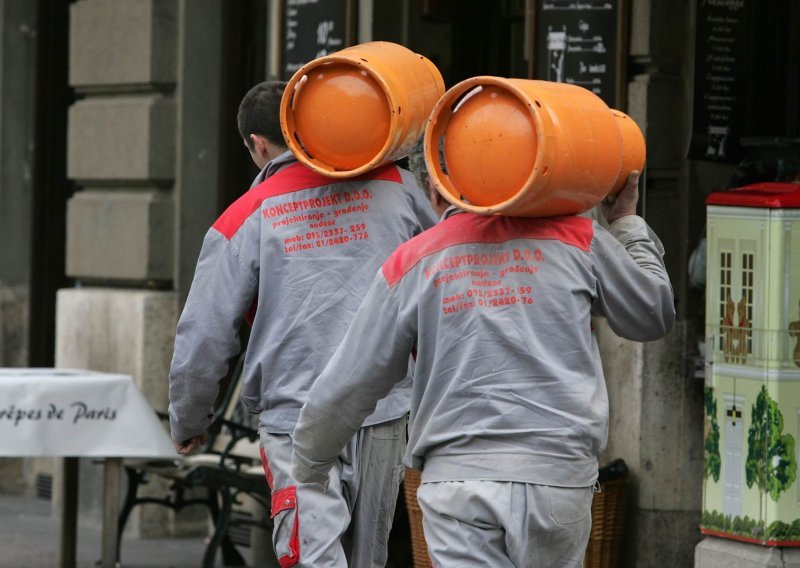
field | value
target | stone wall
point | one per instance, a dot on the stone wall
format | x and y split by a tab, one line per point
121	140
146	79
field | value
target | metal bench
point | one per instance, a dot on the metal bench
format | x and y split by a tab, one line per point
228	467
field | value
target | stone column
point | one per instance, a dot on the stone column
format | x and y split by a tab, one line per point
142	153
656	406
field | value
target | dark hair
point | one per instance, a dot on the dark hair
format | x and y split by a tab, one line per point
416	165
259	113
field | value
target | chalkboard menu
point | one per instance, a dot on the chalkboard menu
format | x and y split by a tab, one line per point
311	29
578	42
720	70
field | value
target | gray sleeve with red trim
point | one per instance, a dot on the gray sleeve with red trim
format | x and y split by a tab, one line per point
353	381
634	290
225	285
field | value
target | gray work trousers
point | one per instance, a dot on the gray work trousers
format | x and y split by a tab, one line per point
347	523
505	524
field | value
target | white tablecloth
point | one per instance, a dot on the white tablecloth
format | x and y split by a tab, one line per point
65	412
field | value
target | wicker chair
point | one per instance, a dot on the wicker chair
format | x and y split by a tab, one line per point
608	518
419	547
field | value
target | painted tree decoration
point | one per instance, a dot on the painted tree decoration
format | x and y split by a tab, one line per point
711	443
771	462
712	462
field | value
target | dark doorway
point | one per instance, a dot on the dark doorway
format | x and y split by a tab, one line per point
244	65
51	189
774	70
488	39
463	38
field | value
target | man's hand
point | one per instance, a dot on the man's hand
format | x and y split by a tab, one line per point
623	203
188	446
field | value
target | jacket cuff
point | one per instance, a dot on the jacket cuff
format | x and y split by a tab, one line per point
632	227
305	471
179	433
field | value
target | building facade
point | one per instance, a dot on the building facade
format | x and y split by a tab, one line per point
118	148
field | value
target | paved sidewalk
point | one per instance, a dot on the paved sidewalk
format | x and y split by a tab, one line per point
29	537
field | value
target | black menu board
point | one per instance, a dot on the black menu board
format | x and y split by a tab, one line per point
578	42
311	29
721	59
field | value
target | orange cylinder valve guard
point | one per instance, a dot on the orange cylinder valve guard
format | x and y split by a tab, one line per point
354	110
528	148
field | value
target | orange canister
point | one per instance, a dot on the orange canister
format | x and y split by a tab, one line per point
529	148
351	111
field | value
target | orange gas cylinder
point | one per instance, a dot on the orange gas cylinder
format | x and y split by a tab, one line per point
351	111
528	148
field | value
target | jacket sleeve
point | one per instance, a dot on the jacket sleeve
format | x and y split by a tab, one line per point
633	289
370	360
225	285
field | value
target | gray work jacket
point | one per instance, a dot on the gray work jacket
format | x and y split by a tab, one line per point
303	248
508	384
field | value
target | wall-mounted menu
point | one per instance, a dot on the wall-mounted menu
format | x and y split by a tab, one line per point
720	69
577	42
311	29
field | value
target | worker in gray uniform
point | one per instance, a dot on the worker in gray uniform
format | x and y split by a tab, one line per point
303	249
509	408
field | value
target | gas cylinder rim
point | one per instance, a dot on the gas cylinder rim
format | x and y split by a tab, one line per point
317	165
458	90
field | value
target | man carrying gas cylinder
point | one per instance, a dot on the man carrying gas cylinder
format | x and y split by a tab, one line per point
303	244
509	409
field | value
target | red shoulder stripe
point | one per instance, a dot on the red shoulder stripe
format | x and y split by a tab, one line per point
464	228
296	177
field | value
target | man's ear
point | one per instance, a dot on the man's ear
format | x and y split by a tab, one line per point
259	146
